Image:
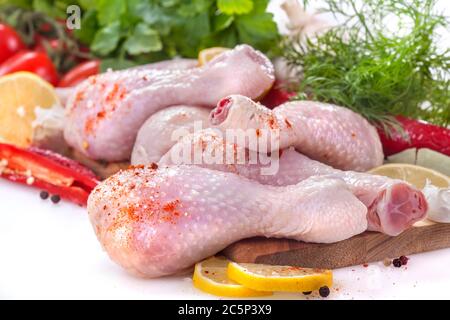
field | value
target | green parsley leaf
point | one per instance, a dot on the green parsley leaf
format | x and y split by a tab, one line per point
258	28
222	21
235	6
106	39
89	27
109	10
143	40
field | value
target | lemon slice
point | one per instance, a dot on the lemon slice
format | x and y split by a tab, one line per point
279	278
207	55
210	276
416	175
20	94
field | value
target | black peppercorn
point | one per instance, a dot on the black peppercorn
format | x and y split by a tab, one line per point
324	291
307	293
397	263
55	198
44	195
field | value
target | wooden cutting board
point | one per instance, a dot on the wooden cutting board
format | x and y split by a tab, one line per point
360	249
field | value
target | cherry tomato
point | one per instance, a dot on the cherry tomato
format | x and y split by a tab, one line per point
36	62
80	73
42	44
10	42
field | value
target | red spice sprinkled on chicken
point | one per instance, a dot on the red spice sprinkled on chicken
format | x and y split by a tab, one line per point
111	95
101	114
79	96
110	106
138	166
117	93
288	124
171	208
89	125
130	211
153	166
272	122
258	133
171	205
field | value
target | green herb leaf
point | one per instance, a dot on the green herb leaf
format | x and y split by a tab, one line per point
143	40
169	3
376	72
222	21
231	7
188	36
88	28
87	4
27	4
110	11
47	7
151	30
226	39
106	39
192	8
258	28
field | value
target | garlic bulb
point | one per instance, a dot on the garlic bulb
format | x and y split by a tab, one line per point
438	203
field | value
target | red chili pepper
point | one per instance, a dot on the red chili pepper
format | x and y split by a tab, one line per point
79	73
276	96
10	42
49	171
417	134
36	62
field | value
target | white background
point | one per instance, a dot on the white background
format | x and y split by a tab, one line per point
50	252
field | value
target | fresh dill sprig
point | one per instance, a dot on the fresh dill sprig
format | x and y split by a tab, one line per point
378	73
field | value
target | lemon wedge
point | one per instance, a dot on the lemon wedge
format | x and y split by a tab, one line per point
416	175
20	94
279	278
207	55
210	276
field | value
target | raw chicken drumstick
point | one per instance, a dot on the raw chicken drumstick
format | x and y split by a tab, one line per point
154	138
330	134
157	222
174	64
106	111
393	204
